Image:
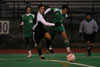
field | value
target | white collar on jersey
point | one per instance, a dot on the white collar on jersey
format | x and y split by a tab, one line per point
27	14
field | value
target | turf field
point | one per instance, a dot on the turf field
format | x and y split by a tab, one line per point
52	60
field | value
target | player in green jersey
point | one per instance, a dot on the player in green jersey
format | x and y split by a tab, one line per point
58	17
27	23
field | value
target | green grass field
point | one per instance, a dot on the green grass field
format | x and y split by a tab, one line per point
52	60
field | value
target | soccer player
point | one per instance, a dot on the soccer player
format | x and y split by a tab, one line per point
58	16
89	28
27	23
39	30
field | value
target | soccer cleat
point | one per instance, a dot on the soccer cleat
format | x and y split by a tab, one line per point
29	56
51	51
42	57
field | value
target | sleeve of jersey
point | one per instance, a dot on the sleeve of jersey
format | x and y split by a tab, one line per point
51	9
55	9
22	23
42	20
47	10
96	27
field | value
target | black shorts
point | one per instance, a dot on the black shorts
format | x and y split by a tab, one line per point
38	35
89	37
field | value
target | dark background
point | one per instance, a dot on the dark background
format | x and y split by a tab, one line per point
12	10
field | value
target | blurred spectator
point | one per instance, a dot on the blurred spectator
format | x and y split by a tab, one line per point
88	27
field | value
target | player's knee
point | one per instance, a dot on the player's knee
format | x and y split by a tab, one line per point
47	35
64	35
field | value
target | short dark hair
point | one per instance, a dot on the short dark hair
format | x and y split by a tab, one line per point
27	7
40	6
64	6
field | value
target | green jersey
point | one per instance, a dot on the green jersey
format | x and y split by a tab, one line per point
28	20
58	17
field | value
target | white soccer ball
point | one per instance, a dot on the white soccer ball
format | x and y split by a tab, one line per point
71	57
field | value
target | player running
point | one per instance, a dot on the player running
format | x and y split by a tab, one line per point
27	23
58	16
39	30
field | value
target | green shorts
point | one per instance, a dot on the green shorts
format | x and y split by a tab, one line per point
28	33
56	30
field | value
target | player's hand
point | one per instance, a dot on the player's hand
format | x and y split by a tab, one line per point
57	24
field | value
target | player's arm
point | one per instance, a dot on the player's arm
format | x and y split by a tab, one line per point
95	26
41	19
51	9
22	22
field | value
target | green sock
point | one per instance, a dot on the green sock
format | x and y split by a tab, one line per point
67	43
28	47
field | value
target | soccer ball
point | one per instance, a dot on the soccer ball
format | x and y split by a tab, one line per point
70	57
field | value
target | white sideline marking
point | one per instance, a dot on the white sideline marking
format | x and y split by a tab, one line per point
71	63
56	61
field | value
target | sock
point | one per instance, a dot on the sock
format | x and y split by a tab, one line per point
29	52
28	43
48	43
50	48
28	47
39	51
67	43
89	50
68	49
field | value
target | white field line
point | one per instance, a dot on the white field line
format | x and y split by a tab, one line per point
71	63
54	61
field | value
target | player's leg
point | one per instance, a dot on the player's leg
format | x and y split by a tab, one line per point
66	41
91	43
28	46
89	48
37	37
33	37
87	40
48	42
92	40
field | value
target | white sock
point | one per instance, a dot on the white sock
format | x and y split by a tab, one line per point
29	52
68	49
